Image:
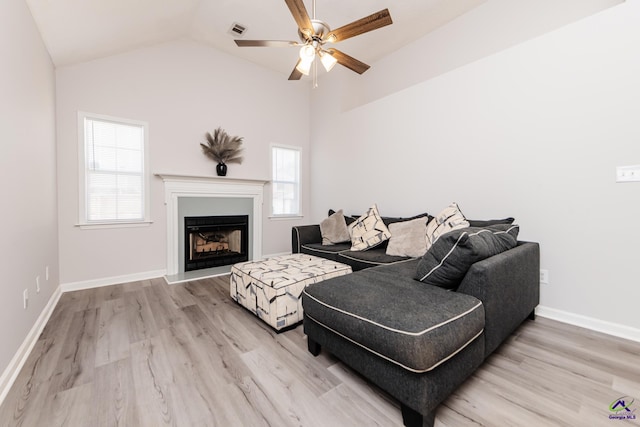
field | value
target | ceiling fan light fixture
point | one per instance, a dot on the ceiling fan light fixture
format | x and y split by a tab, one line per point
328	61
304	66
307	53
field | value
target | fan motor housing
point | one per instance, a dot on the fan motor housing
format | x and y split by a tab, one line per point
320	29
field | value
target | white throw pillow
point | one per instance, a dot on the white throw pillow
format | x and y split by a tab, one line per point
368	230
449	219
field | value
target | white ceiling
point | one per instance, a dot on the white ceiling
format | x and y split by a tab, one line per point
81	30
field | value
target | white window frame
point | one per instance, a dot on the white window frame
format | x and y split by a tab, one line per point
83	222
299	182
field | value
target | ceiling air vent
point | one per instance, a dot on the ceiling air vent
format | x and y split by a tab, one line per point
237	30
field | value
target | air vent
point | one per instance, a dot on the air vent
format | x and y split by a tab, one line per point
237	30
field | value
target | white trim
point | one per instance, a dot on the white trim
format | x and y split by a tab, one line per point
119	224
299	214
19	359
108	281
285	217
207	273
82	191
609	328
176	186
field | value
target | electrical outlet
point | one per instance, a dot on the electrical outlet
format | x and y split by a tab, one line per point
628	173
544	277
37	284
25	298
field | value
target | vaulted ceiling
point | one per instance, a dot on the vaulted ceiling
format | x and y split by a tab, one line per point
81	30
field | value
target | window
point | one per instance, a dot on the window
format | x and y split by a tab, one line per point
285	181
113	170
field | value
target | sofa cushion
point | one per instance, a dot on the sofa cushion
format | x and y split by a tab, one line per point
449	219
388	220
359	260
325	251
413	326
488	222
334	229
447	261
408	238
368	231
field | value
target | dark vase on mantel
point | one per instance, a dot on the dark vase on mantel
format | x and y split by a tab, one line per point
221	169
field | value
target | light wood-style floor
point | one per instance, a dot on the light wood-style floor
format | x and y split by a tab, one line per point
149	354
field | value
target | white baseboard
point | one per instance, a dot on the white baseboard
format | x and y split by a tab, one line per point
108	281
11	372
610	328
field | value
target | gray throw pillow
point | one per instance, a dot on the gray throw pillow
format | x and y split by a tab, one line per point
488	222
334	229
448	260
408	238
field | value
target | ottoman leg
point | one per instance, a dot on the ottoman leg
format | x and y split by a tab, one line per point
411	418
313	347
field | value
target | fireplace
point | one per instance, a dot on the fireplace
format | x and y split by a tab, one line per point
212	241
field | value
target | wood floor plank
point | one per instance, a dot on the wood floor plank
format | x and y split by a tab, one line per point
75	365
356	410
288	392
141	323
153	378
72	407
115	405
112	343
147	354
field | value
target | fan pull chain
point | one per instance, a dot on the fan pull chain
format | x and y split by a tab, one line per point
315	74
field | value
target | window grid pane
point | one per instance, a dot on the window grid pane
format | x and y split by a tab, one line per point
286	181
114	171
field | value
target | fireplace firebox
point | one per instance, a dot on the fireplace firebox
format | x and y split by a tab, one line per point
213	241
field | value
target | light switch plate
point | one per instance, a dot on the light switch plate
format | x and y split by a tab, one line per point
628	173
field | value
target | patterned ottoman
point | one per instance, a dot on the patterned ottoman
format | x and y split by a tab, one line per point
272	288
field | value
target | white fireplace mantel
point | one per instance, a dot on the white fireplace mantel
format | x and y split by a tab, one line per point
176	186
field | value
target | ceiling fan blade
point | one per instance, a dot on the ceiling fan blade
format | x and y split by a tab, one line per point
348	61
301	16
364	25
266	43
295	74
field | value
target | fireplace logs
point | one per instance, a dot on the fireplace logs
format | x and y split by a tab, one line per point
213	241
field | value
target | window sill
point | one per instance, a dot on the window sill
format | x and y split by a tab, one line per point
285	217
124	224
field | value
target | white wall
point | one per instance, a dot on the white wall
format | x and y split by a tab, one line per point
533	132
489	28
28	172
182	89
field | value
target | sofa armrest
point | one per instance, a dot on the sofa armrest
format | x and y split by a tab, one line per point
508	284
303	234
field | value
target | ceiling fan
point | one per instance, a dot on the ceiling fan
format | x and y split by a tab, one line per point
314	34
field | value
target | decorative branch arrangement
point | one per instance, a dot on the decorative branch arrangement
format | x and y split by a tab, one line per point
223	148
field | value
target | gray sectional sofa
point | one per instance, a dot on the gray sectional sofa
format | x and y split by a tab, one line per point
420	340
